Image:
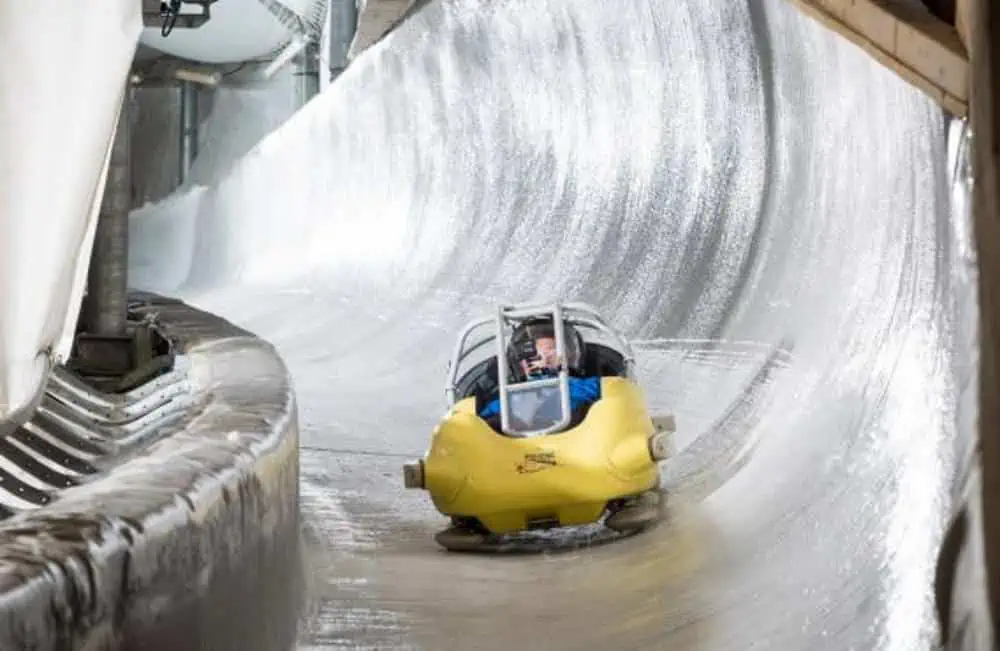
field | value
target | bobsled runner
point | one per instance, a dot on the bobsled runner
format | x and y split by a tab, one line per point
546	428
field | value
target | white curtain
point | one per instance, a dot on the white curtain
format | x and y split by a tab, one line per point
62	77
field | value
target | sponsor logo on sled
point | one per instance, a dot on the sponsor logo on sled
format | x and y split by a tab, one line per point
536	462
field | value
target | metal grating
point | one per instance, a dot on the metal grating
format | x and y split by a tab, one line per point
77	432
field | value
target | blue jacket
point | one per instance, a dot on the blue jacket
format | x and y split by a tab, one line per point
582	391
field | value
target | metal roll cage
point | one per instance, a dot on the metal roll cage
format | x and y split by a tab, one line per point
577	314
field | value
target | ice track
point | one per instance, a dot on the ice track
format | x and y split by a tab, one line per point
746	193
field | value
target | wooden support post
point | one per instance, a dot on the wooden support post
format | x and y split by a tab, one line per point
984	26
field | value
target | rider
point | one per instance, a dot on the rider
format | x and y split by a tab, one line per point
531	355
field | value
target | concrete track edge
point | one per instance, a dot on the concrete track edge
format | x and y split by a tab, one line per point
190	543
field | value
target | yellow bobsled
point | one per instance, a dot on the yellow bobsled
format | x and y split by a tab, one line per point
538	463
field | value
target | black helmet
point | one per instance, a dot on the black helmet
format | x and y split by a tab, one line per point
522	349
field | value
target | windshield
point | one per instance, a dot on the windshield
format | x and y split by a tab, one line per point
534	409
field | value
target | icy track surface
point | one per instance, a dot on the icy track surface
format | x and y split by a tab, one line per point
750	196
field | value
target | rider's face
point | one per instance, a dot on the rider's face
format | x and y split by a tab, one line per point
547	357
546	348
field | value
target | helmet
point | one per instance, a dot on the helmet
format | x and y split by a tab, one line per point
526	361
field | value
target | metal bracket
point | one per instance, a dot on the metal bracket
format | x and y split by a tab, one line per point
104	355
186	14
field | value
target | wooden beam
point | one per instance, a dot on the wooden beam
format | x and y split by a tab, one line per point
985	121
963	21
919	47
375	19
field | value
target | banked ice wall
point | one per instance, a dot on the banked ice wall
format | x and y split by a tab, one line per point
716	170
62	78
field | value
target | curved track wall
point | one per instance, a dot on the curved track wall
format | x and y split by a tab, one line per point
750	196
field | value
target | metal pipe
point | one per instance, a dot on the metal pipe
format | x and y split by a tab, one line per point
189	129
203	78
308	72
342	17
105	310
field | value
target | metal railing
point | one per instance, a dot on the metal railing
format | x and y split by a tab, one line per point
576	314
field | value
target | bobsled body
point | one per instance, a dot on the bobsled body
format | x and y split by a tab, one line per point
511	484
490	478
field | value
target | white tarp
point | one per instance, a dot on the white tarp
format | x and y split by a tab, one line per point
238	30
61	82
